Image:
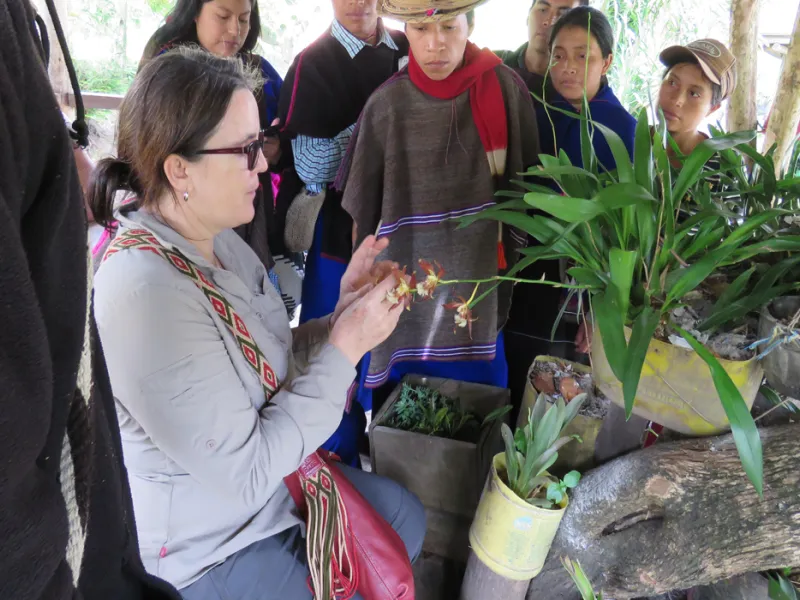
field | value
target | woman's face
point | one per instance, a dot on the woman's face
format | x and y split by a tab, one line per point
223	25
685	97
576	59
221	188
439	47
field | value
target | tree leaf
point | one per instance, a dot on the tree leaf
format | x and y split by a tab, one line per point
571	210
643	153
555	493
622	264
540	502
692	169
611	320
781	588
695	274
496	414
573	408
620	152
539	408
571	479
743	427
512	467
587	277
643	329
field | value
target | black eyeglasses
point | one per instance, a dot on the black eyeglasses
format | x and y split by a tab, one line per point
252	150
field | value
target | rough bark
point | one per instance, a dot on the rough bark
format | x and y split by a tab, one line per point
744	46
678	515
786	108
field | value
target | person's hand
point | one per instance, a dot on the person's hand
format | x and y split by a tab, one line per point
272	146
361	271
583	341
367	321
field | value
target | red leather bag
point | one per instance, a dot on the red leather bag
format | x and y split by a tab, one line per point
380	564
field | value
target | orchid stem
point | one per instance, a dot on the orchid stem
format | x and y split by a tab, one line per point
514	279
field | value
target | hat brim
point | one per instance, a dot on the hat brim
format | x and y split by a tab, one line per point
410	15
678	54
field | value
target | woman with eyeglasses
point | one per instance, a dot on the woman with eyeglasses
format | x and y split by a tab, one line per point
218	399
231	28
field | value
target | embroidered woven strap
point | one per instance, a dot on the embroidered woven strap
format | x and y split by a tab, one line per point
329	542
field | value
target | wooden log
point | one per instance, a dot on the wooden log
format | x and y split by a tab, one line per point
786	108
678	515
481	583
744	46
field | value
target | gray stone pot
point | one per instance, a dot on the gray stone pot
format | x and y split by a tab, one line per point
782	365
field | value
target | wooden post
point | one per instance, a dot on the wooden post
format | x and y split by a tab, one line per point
744	46
786	108
481	583
59	78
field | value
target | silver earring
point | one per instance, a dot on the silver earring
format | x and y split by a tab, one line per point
185	196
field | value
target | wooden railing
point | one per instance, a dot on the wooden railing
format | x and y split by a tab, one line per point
95	100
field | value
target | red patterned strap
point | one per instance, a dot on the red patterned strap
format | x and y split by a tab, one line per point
329	540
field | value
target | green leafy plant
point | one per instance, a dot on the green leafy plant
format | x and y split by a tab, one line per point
533	449
780	588
629	245
581	580
557	490
424	410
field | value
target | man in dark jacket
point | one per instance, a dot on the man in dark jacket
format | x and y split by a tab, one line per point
535	308
66	521
531	59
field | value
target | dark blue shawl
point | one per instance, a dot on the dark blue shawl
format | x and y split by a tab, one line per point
605	108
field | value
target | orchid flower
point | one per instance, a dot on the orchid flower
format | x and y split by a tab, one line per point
404	289
434	274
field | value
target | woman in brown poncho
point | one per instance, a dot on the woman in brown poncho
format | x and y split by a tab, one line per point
434	144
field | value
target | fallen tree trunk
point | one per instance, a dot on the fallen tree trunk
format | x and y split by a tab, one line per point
678	515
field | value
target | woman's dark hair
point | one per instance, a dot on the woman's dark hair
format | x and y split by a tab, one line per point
174	105
716	89
591	20
180	27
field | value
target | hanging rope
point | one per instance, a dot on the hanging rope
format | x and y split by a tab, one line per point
80	130
44	39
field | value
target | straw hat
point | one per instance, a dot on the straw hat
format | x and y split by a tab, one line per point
426	11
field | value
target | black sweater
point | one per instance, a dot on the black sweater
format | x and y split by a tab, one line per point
66	522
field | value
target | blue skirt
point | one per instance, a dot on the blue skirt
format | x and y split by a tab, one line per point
320	294
488	372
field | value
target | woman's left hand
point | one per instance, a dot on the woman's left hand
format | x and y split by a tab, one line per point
362	270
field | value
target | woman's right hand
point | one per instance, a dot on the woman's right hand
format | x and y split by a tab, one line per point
367	321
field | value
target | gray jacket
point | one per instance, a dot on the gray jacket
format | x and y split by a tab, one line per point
206	454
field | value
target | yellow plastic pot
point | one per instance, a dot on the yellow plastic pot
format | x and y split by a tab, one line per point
574	455
676	389
508	535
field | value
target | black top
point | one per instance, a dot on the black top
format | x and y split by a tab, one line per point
65	507
534	308
516	60
325	90
323	94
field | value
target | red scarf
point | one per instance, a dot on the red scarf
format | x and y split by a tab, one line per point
485	98
486	101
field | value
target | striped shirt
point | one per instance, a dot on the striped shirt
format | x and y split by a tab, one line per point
317	159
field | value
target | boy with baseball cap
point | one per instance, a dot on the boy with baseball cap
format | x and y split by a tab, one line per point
699	77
